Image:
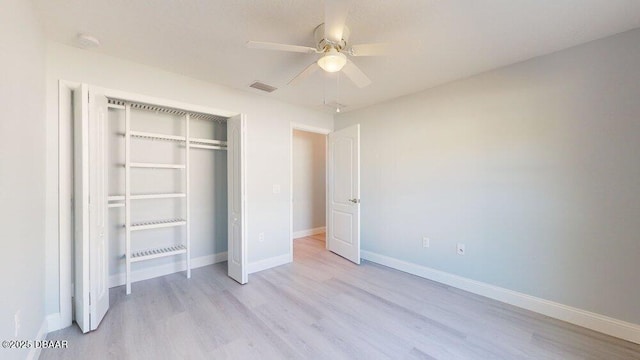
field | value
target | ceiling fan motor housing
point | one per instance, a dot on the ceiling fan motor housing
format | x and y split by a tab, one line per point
324	45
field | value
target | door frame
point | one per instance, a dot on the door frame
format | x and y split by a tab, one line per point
65	213
65	237
312	129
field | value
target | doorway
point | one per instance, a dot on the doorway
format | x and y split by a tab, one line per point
342	192
308	185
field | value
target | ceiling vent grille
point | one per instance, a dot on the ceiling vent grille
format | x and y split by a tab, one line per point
263	87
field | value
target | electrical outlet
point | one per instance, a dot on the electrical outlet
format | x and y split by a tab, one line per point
17	322
460	249
425	242
261	237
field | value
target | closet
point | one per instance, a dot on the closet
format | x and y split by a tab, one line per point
157	185
150	169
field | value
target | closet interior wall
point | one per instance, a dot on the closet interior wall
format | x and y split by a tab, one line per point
207	190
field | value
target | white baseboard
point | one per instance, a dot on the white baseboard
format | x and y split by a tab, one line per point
268	263
34	353
309	232
604	324
54	322
162	270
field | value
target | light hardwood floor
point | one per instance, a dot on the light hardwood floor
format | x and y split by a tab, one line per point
324	307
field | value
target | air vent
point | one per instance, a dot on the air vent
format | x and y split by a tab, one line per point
262	86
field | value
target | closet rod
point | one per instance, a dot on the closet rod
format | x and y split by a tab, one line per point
148	196
156	136
208	147
207	141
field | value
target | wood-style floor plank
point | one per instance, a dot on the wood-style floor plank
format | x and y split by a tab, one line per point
322	306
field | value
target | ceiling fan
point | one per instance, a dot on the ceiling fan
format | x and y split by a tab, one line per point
332	42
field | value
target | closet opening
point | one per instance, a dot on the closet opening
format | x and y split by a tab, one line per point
157	187
308	189
167	186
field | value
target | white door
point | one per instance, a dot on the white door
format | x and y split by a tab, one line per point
81	205
90	209
343	223
98	207
236	246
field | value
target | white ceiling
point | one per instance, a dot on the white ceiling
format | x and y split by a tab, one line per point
454	38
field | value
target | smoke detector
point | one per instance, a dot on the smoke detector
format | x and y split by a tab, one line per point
87	41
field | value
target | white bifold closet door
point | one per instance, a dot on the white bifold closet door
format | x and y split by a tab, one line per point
237	247
90	214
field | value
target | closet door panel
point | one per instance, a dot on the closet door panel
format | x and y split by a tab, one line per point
98	243
90	208
81	206
236	186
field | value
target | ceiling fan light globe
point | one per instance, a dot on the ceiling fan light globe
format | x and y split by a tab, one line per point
332	61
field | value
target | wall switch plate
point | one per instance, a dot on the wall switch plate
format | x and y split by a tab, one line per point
261	237
425	242
460	249
276	189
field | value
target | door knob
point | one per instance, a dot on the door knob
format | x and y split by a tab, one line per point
355	201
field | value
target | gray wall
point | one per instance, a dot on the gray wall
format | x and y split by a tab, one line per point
309	180
22	169
535	167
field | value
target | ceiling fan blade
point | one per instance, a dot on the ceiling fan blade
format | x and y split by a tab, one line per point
378	49
335	15
280	47
355	74
304	74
